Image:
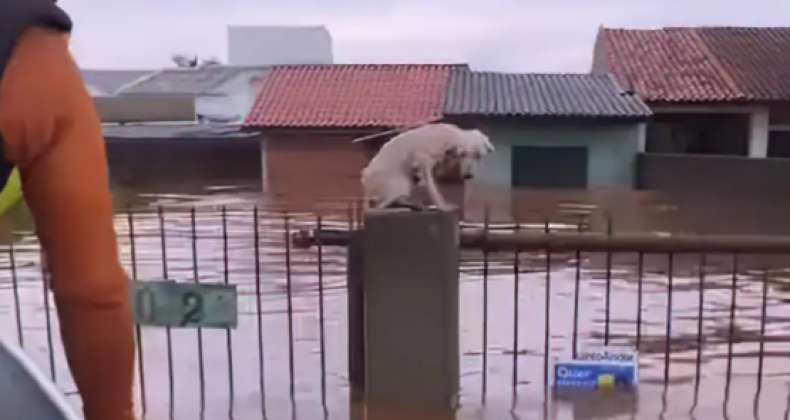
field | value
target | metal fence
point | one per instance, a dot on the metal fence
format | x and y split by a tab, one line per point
708	316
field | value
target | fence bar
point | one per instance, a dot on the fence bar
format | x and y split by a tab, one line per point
356	317
410	266
138	332
259	309
587	242
168	334
48	315
15	287
196	275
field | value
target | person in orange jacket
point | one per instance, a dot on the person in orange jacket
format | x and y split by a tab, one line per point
50	131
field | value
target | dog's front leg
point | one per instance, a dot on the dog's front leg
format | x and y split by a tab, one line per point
394	202
433	190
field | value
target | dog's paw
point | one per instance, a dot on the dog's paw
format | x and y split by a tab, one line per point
406	204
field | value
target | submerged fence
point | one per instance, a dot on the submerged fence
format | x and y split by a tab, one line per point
709	316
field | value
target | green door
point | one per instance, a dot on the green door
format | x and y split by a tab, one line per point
549	167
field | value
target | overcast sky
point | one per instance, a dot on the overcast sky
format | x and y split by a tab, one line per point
502	35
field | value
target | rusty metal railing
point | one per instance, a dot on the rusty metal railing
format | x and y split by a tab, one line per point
723	262
482	239
700	309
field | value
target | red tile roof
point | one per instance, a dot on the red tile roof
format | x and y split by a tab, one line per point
350	96
757	59
705	64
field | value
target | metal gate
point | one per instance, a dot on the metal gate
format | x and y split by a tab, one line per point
705	313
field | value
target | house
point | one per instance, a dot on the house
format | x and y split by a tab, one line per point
107	82
309	115
723	92
225	93
142	154
566	131
182	120
565	145
148	137
221	93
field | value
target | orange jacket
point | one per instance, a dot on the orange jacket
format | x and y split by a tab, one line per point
51	132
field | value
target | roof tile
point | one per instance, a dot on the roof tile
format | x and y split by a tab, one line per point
757	59
703	64
350	95
186	80
672	65
173	131
540	95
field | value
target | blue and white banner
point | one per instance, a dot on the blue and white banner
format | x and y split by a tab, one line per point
602	368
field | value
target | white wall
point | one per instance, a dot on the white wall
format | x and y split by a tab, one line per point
758	134
274	45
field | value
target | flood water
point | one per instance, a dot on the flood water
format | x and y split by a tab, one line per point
707	378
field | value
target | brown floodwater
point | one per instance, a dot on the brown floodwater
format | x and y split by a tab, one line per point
736	367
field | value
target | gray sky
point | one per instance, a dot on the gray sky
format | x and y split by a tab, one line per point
503	35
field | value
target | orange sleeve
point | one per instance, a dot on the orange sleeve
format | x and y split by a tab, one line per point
52	134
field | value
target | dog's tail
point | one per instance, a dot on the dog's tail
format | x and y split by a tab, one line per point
395	130
365	194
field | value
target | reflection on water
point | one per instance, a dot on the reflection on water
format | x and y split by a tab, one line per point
713	365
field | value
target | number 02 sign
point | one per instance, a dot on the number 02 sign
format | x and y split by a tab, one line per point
185	305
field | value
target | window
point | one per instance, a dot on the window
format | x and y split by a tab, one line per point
779	144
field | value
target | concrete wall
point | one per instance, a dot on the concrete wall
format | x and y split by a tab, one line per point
721	194
612	150
310	167
599	61
117	109
727	175
305	166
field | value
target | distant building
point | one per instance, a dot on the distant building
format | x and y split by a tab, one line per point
309	115
221	93
721	103
551	131
276	45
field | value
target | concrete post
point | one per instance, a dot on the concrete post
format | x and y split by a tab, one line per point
411	311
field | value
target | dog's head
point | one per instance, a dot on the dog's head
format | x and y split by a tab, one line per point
467	152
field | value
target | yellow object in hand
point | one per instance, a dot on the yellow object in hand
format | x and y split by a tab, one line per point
12	192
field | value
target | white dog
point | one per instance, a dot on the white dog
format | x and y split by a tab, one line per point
415	156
